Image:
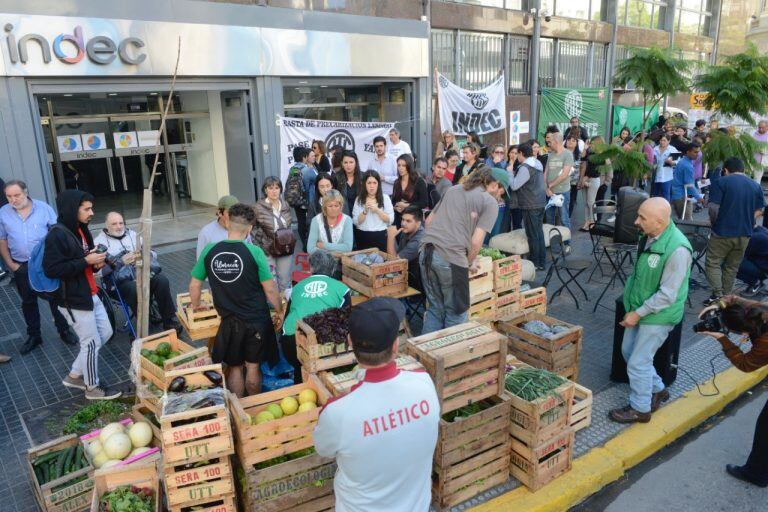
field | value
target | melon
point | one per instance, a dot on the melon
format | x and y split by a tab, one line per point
110	463
138	451
118	446
94	448
140	434
110	429
99	459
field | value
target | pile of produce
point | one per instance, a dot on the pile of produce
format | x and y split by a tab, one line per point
54	465
463	412
494	254
288	406
179	384
532	383
544	329
160	354
95	415
330	325
116	443
128	499
368	259
184	401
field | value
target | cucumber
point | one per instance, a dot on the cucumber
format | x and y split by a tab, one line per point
60	464
79	457
45	458
46	473
70	464
39	474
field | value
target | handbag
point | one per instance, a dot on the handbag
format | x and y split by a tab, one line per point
283	241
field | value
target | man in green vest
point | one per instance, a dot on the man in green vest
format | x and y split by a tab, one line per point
654	299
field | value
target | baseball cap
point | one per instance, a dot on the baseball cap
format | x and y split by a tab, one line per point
226	202
374	324
502	177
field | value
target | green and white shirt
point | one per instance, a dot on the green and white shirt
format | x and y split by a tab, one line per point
312	295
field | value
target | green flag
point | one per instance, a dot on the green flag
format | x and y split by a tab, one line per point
558	106
632	118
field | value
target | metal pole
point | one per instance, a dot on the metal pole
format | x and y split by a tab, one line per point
534	71
713	56
611	69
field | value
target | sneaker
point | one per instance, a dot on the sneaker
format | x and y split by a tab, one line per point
100	393
751	291
74	382
711	300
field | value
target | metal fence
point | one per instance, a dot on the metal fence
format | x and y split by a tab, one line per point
481	58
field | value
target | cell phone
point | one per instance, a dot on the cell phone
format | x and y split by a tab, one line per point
100	249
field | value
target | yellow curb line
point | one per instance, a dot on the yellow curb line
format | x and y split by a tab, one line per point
603	465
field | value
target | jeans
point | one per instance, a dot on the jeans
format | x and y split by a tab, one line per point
159	288
442	312
93	330
750	273
29	305
517	219
565	219
281	269
757	463
638	347
724	255
532	222
303	227
660	189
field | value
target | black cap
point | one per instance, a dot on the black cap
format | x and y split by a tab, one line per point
374	324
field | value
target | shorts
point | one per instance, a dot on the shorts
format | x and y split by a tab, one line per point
238	342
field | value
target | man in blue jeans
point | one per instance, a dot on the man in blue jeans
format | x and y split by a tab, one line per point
654	298
754	267
557	174
452	239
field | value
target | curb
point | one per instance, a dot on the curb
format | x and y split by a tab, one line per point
603	465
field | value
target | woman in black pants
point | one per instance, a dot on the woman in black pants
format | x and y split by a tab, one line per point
748	317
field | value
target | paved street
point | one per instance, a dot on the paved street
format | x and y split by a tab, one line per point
690	474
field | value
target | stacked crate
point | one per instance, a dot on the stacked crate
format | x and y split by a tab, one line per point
202	324
64	492
378	280
341	383
197	445
482	301
467	364
507	278
541	434
559	353
145	476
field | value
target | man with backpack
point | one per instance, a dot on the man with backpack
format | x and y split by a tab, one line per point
299	189
70	257
23	223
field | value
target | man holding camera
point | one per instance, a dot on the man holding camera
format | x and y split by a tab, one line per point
120	272
654	298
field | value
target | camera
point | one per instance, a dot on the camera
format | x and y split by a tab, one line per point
109	260
546	15
711	322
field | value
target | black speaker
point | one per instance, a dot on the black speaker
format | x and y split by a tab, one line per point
627	204
665	360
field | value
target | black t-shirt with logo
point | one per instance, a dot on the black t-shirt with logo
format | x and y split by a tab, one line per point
235	271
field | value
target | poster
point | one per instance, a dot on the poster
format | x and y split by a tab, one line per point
517	127
94	141
69	143
632	118
558	106
357	137
125	140
463	111
149	138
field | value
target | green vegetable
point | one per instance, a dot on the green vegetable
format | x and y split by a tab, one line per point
128	499
173	353
463	412
69	464
495	254
45	458
95	415
79	459
60	462
532	383
39	474
47	473
146	352
163	349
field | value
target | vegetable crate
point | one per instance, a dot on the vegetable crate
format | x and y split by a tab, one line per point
560	354
581	408
341	384
190	357
197	434
278	437
507	304
189	485
226	503
60	491
466	362
482	308
149	456
139	476
535	422
537	466
535	300
304	484
199	324
377	280
507	274
316	356
481	282
472	454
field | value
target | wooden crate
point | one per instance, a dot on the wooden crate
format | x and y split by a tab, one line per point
112	478
283	436
190	357
70	493
481	282
149	456
466	362
142	412
482	308
507	274
316	356
559	354
304	484
199	324
536	466
377	280
472	454
535	422
340	384
581	408
188	486
507	304
217	504
535	300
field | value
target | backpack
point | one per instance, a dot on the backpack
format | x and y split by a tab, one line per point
45	286
294	192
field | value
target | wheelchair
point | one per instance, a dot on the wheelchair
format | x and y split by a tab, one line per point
115	305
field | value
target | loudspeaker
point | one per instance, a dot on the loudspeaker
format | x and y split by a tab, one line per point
627	204
665	360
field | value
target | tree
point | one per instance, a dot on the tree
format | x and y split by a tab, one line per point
631	162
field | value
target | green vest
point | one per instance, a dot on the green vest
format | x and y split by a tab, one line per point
646	277
312	295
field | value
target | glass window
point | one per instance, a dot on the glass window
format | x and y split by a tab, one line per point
546	63
573	64
337	103
518	64
689	22
504	4
443	54
482	57
573	9
694	17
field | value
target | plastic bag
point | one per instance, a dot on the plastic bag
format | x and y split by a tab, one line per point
278	376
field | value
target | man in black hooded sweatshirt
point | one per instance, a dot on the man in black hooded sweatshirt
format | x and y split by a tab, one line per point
69	255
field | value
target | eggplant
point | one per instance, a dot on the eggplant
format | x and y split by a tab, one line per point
203	403
215	378
178	385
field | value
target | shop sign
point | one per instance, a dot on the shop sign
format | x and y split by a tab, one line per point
697	100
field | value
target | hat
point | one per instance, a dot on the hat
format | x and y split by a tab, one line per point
502	177
225	202
375	323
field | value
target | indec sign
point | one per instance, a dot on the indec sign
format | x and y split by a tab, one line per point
72	48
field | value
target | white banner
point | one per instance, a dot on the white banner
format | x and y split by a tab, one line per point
357	137
463	111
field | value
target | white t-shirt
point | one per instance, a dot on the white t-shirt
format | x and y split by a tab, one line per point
372	221
387	170
401	148
383	435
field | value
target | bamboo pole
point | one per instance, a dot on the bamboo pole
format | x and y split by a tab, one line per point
144	238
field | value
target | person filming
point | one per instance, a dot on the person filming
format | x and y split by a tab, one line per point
750	319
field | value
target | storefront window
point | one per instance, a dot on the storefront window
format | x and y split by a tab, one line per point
641	13
333	103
